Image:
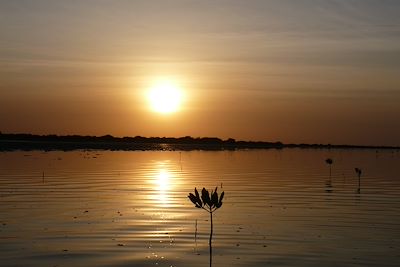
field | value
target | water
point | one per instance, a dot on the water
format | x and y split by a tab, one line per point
131	208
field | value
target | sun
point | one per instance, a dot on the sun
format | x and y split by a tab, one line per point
165	97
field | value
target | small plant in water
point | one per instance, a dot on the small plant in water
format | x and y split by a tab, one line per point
358	171
210	203
329	161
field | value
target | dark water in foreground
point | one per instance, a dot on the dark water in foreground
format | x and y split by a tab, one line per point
131	209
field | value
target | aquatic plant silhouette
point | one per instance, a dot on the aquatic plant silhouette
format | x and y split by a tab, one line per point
210	203
329	161
359	172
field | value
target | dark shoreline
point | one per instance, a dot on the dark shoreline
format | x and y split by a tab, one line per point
29	142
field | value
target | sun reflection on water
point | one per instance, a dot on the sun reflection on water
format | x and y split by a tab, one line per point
162	184
164	187
163	180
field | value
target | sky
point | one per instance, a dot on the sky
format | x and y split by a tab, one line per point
300	71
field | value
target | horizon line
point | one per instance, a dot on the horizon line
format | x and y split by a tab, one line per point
202	139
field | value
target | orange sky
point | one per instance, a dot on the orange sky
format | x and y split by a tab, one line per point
294	71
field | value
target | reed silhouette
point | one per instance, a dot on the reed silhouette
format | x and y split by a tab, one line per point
328	183
359	172
210	203
195	236
329	161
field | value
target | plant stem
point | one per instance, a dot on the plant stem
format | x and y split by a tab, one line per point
210	241
195	236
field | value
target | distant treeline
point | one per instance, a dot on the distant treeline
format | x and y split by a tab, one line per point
108	142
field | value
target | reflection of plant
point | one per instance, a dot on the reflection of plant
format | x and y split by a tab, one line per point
329	161
358	171
210	203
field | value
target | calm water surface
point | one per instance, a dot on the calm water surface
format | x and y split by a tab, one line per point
131	208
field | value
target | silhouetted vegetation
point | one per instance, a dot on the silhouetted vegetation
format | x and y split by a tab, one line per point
358	172
210	203
329	161
108	142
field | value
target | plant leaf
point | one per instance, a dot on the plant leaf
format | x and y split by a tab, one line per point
192	198
205	197
198	197
214	199
221	198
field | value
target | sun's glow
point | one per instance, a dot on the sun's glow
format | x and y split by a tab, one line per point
163	180
164	186
165	96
